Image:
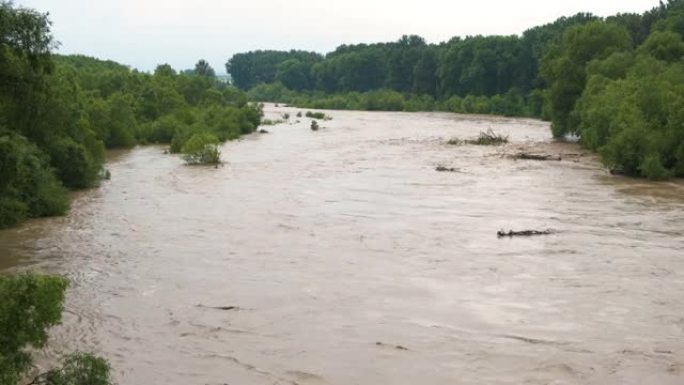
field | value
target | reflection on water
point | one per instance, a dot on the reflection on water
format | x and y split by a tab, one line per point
340	245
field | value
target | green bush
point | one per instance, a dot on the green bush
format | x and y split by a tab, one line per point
29	305
652	168
28	186
12	212
80	369
161	130
202	148
73	163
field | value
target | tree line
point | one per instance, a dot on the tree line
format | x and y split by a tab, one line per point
613	82
58	114
475	65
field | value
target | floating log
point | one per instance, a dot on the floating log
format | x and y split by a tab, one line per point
225	308
398	347
446	169
542	157
524	233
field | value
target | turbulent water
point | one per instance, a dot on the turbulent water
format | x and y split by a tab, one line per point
342	257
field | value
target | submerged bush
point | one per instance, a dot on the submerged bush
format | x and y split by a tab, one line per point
269	122
317	115
489	138
202	148
486	138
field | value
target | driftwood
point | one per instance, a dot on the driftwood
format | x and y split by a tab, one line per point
398	347
524	233
445	169
528	156
225	308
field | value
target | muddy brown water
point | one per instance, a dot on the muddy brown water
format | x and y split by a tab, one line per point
352	261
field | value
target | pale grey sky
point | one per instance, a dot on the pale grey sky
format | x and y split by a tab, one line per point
144	33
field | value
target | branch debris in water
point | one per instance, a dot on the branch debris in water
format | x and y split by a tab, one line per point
524	233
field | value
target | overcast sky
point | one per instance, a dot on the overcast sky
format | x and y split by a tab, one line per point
144	33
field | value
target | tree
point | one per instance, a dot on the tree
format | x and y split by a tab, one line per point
29	305
564	67
28	187
664	45
294	75
202	68
251	68
165	70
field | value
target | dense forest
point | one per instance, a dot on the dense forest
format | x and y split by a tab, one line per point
616	83
58	114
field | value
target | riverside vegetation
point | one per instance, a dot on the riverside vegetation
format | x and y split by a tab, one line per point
616	83
58	114
29	305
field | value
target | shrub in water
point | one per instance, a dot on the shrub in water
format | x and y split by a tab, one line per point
202	148
315	115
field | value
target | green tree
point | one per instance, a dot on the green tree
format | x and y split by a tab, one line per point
202	68
294	74
564	67
29	305
664	45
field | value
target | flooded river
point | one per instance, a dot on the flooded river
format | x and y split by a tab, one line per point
349	260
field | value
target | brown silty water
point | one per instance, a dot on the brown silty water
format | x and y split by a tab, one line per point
350	260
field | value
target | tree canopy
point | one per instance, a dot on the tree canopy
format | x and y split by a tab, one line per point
58	114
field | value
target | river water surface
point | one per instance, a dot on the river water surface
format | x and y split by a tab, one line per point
350	260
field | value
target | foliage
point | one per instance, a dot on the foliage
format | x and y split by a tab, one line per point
564	67
269	122
317	115
59	113
202	148
28	187
485	138
407	74
202	68
630	110
636	121
489	138
79	369
273	92
252	68
29	305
